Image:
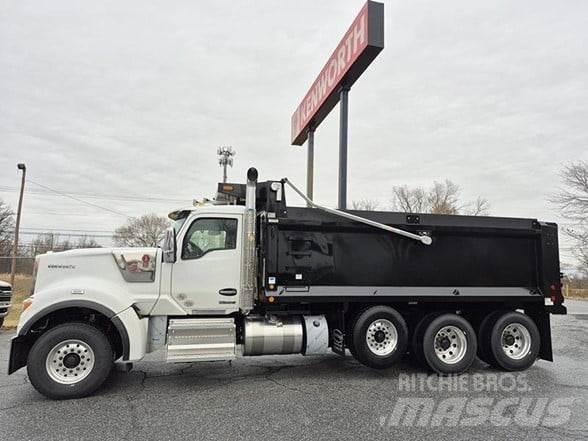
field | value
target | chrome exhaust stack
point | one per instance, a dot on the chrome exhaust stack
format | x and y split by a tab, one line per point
248	267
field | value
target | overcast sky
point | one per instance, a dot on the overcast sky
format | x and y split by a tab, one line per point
132	98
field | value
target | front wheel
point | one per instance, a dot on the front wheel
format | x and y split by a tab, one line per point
70	361
380	336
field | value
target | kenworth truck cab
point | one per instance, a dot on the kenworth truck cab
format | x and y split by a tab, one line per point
249	275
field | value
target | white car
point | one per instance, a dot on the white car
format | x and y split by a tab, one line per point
5	297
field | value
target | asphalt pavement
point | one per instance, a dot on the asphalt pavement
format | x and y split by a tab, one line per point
320	397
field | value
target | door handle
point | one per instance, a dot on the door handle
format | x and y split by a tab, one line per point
228	292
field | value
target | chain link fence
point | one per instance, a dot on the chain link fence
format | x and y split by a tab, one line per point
24	265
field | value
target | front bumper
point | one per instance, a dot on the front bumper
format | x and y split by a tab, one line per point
4	306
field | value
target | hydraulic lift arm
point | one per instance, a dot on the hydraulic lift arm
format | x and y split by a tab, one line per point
426	240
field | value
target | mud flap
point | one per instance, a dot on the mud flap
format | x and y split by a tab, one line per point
19	350
543	322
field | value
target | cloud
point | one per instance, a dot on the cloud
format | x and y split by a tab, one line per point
134	97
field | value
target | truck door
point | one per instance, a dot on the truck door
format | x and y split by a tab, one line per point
206	275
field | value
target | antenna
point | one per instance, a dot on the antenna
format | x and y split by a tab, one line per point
225	158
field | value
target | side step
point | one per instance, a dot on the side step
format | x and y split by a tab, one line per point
201	339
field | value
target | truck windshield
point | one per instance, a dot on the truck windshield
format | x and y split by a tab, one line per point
177	224
178	219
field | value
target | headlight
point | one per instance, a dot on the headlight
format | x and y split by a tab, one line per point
27	303
35	269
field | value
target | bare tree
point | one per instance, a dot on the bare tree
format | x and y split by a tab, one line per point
45	242
87	242
409	200
572	200
365	204
441	198
144	231
480	207
6	229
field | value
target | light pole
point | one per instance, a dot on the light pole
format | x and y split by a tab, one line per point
22	167
225	158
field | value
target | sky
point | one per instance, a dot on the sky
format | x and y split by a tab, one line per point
123	104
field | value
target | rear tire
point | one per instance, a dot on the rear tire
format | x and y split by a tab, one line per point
418	335
70	361
379	337
449	344
484	337
515	341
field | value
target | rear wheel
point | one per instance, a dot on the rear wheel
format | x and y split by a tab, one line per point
70	361
449	344
380	337
418	335
515	341
484	337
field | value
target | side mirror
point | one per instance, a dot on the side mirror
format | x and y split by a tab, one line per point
168	246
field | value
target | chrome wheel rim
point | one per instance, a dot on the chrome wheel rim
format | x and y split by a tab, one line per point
516	341
381	337
70	361
450	344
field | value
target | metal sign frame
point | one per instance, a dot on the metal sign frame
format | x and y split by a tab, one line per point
360	45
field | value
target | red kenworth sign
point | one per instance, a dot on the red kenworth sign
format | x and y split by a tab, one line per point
358	48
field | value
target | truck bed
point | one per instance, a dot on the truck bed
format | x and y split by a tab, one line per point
313	253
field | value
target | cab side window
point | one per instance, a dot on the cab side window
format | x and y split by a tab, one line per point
209	234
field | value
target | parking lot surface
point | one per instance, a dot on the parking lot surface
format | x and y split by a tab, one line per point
310	398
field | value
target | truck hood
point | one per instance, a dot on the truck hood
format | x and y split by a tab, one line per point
134	264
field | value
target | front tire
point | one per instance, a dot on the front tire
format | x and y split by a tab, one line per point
70	361
380	337
449	344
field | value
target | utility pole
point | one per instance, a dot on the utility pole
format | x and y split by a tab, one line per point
22	167
225	158
343	124
310	166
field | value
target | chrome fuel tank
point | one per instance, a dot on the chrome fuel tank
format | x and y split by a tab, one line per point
273	335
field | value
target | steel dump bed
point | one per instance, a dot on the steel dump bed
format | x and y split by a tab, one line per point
311	253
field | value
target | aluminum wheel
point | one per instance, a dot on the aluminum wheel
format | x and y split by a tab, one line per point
70	361
516	341
450	344
381	337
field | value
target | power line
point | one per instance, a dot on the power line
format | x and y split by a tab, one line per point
45	233
78	200
63	230
120	197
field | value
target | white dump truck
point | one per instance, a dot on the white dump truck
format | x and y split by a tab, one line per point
248	275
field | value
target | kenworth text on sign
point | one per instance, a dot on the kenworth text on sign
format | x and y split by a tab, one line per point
360	45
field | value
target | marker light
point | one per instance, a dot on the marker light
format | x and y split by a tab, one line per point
26	303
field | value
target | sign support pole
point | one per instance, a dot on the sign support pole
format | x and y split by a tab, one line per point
310	164
343	126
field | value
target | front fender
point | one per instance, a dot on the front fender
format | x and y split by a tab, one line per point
131	328
109	297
